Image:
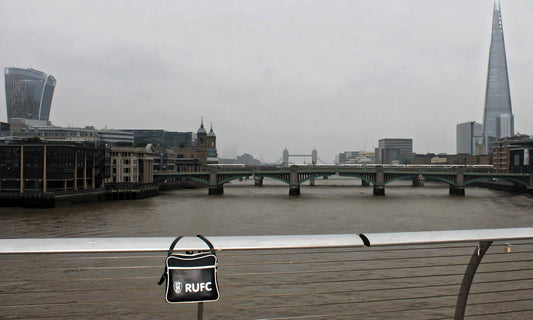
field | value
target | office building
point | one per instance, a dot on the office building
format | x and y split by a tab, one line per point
356	157
131	164
114	137
505	152
161	138
498	120
29	94
33	165
51	133
469	138
394	150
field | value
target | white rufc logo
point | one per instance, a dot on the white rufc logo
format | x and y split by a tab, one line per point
178	286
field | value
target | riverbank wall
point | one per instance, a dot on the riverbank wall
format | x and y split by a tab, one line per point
124	191
130	191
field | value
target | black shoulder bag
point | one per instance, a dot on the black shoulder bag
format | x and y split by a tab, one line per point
191	277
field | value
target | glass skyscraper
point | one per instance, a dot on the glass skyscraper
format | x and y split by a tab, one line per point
498	121
469	135
29	94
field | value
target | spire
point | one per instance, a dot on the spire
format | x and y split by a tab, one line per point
211	132
201	129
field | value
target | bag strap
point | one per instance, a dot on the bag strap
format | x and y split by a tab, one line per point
171	249
209	244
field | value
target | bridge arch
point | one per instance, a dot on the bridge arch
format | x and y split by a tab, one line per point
199	180
221	182
314	177
402	178
498	178
274	178
452	183
224	181
350	175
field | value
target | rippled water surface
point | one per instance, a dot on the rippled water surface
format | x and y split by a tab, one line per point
332	206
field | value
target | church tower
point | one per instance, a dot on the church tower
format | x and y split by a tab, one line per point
201	144
212	156
211	139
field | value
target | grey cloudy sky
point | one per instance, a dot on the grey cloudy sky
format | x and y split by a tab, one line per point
331	75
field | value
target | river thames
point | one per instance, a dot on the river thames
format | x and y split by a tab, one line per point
95	288
332	206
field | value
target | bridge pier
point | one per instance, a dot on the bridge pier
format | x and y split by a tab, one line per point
459	188
216	190
379	186
379	190
457	191
294	187
419	181
294	190
365	183
214	187
258	181
312	182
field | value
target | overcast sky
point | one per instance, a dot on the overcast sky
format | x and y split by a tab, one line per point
332	75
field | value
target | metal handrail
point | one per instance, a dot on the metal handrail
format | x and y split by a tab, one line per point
73	245
450	236
484	238
143	244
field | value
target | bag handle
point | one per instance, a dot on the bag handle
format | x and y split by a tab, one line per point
209	244
171	249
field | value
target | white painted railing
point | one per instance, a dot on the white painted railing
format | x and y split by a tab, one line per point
405	275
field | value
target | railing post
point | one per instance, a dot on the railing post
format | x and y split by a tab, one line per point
200	313
470	272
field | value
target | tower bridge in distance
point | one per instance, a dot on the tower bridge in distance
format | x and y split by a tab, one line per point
286	155
457	177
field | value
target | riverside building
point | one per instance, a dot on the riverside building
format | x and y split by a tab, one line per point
32	165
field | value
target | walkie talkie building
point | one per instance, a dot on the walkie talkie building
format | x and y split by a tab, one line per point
29	94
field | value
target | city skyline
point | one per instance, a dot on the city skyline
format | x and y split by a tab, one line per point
270	76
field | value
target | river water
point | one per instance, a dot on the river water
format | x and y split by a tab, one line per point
106	287
332	206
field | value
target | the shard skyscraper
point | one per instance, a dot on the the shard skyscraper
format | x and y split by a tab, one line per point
498	120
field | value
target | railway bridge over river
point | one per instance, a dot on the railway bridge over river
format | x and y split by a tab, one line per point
214	177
